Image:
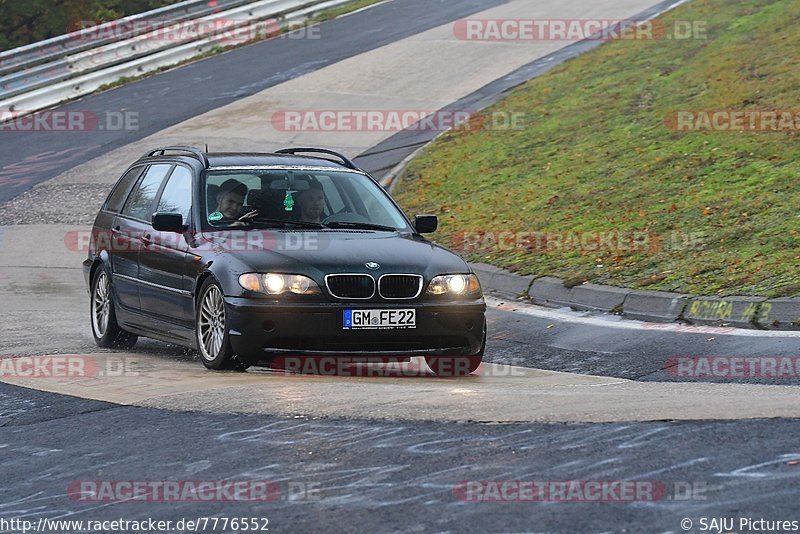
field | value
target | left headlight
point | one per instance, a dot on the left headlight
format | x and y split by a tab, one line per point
277	284
455	285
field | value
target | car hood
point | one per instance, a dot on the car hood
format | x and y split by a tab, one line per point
319	253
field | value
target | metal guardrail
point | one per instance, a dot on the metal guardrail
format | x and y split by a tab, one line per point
106	52
88	66
31	55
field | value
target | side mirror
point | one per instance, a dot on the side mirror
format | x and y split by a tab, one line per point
426	224
168	222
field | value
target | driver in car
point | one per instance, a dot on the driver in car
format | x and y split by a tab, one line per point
230	200
311	203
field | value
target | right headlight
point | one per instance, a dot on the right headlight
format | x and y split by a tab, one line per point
455	285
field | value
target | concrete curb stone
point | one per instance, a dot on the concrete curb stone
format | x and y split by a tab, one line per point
653	306
740	312
550	291
500	281
780	314
594	297
658	306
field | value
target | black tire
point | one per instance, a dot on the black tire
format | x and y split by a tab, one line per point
215	354
450	366
103	317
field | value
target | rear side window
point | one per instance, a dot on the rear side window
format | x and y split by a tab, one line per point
140	202
117	197
177	195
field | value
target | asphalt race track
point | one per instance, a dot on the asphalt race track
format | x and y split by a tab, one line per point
236	75
563	396
390	476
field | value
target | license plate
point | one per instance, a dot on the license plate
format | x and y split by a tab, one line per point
379	319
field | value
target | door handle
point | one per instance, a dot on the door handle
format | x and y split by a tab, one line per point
146	239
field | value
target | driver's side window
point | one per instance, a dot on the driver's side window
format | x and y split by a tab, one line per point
140	203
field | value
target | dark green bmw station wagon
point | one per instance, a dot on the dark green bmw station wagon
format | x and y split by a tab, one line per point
250	258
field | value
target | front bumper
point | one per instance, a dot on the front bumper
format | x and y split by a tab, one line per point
317	329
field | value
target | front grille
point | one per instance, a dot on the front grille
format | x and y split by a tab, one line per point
400	286
350	286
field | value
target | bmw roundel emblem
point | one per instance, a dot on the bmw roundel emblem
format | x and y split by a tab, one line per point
372	265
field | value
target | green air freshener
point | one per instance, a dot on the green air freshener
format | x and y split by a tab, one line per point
288	201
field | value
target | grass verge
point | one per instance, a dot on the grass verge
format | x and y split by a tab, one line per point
715	212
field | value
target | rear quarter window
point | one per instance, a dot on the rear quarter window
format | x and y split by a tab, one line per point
120	193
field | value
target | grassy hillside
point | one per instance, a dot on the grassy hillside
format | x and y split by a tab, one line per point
596	154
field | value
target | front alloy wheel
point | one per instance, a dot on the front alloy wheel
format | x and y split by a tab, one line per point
212	329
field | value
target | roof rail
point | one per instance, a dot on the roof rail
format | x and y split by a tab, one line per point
196	152
345	160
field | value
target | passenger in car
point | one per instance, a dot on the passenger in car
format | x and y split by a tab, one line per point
311	203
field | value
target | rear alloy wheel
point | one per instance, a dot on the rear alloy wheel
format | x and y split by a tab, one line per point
105	329
457	365
211	329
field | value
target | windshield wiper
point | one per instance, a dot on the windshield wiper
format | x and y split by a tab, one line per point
361	226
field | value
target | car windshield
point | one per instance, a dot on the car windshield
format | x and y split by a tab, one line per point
297	199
